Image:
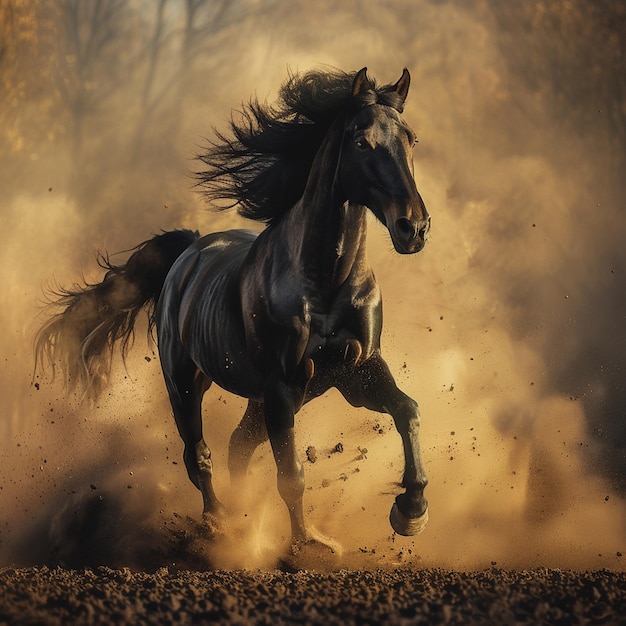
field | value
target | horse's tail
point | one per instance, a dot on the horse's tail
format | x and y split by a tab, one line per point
79	339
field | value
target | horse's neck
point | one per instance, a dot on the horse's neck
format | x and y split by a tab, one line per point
328	240
326	233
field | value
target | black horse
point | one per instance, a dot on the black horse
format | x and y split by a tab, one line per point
281	317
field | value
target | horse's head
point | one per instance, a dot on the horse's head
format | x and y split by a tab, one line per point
376	168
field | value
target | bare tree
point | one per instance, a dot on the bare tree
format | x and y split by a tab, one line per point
154	49
192	36
89	73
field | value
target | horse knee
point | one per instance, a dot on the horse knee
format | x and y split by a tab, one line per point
406	413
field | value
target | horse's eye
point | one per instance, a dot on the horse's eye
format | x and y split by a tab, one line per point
361	144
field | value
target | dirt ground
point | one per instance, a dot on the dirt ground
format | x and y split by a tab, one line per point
404	596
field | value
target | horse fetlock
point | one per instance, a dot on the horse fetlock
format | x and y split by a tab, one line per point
414	483
412	503
212	507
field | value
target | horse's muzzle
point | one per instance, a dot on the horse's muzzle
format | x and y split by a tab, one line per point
410	237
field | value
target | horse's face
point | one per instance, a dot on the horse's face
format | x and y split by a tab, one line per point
376	170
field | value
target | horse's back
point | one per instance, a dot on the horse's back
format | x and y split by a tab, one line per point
214	257
200	310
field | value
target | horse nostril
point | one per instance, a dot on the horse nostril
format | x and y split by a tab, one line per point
423	227
405	228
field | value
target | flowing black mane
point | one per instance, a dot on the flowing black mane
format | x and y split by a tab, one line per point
264	165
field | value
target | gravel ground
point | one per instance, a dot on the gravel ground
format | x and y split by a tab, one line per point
103	595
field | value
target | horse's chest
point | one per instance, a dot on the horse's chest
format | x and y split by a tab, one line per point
326	321
328	326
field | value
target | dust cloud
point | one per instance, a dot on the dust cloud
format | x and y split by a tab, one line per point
508	328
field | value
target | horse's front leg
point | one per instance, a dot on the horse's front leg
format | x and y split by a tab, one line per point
409	514
281	402
373	386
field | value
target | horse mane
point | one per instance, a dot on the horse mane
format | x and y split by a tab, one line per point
263	166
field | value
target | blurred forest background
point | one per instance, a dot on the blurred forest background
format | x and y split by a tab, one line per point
520	108
99	88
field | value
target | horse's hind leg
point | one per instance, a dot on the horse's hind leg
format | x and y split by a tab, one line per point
186	386
249	434
373	386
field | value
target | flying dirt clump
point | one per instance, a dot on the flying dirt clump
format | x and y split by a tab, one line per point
311	454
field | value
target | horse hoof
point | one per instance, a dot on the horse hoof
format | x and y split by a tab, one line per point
316	553
309	369
353	351
212	524
407	526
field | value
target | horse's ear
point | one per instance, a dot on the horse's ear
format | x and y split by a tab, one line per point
402	86
361	83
